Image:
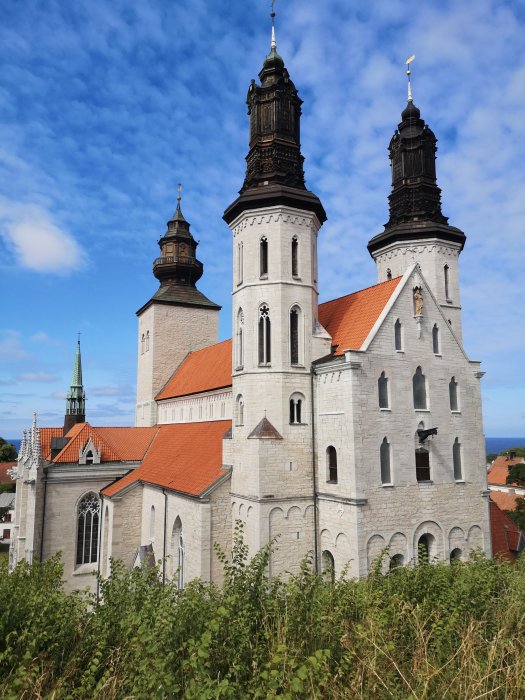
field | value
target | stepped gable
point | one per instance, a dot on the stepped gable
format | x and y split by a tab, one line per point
499	469
203	370
350	319
184	457
114	444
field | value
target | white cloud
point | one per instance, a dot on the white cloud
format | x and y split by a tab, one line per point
36	240
11	349
37	377
111	391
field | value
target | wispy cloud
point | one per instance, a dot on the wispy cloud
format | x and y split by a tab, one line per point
11	348
41	377
124	391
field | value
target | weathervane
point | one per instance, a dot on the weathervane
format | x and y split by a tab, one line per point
79	334
408	72
179	190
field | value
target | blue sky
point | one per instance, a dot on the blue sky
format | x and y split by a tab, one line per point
106	105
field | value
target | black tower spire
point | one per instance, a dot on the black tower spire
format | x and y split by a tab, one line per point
274	164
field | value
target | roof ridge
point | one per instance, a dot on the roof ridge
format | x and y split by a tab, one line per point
364	289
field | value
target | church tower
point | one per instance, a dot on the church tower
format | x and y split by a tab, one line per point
417	231
76	396
176	320
276	332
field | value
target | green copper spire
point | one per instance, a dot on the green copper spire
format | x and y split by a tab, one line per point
76	397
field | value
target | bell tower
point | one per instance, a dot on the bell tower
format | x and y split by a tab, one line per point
417	230
76	396
277	335
176	320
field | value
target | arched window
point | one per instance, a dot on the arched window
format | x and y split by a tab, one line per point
435	339
89	457
265	340
455	556
382	387
328	565
147	341
447	290
422	464
396	561
331	464
295	316
152	524
240	410
384	455
424	548
398	340
453	394
142	343
419	389
296	408
389	274
177	552
295	261
88	515
456	460
264	257
240	339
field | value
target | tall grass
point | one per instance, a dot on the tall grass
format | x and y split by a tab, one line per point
433	631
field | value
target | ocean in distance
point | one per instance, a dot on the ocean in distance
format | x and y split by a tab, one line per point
493	445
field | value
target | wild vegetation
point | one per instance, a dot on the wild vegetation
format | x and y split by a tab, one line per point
431	631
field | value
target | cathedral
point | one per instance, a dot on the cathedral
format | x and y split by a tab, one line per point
343	431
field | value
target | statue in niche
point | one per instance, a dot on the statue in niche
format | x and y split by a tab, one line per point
418	301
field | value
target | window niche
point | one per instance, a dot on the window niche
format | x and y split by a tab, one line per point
419	390
446	275
263	257
398	336
265	341
239	410
453	395
435	340
456	460
331	464
295	336
240	339
328	565
422	464
384	457
295	257
382	390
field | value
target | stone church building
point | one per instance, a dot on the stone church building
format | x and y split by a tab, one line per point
345	429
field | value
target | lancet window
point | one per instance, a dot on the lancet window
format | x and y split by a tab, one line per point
88	517
264	257
265	338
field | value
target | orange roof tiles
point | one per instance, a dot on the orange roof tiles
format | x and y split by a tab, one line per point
45	440
507	538
499	469
350	319
203	370
505	501
114	444
185	457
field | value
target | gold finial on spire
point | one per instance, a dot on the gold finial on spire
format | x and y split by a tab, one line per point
179	190
408	72
273	44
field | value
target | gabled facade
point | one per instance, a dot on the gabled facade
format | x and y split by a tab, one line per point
341	431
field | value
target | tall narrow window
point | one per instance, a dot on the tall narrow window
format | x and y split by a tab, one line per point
296	408
295	261
422	464
331	459
453	394
147	341
240	339
142	343
294	336
240	262
264	256
456	459
435	339
265	341
419	389
240	410
447	289
152	524
328	565
177	552
88	516
398	341
382	386
384	454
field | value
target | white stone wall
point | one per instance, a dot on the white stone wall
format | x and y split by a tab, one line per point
209	406
174	331
432	256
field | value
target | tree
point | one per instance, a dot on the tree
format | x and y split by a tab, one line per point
517	474
7	451
518	515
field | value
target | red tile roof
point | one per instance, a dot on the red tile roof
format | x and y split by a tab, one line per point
114	444
507	538
505	501
45	440
350	319
203	370
185	457
4	476
499	469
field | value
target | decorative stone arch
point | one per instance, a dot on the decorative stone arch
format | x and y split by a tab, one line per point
456	538
294	512
374	547
436	549
398	545
475	539
328	565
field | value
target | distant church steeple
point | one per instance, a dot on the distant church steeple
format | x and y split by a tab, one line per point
274	164
76	397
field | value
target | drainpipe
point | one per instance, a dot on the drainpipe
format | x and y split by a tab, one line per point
99	557
165	530
43	516
314	475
